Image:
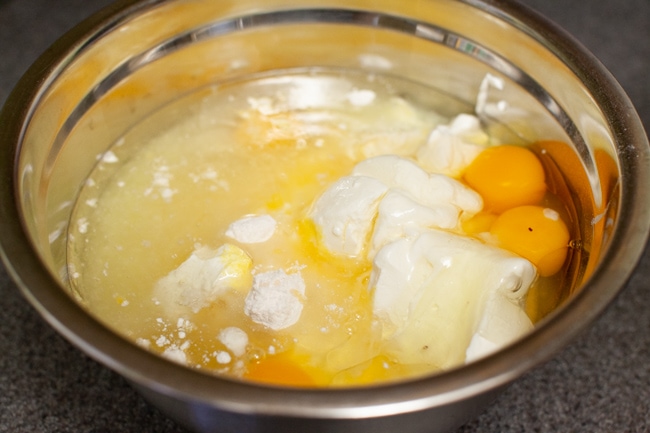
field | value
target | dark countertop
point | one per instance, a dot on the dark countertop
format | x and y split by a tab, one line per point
600	383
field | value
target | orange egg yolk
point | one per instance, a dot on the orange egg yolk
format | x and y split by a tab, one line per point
280	370
535	233
506	176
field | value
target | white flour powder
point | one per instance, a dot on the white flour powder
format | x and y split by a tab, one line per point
275	299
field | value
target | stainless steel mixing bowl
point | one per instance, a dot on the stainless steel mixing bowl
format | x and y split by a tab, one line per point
114	69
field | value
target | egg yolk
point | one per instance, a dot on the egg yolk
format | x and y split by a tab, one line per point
279	370
507	176
535	233
479	223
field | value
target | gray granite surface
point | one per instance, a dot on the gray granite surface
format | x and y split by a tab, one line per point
600	383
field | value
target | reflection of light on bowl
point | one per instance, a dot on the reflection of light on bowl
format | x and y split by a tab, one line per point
125	68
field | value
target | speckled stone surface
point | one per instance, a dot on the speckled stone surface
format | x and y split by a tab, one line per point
600	383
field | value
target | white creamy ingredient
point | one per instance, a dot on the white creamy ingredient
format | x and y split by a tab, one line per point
503	321
450	148
429	189
345	213
431	292
275	300
384	198
252	229
203	277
